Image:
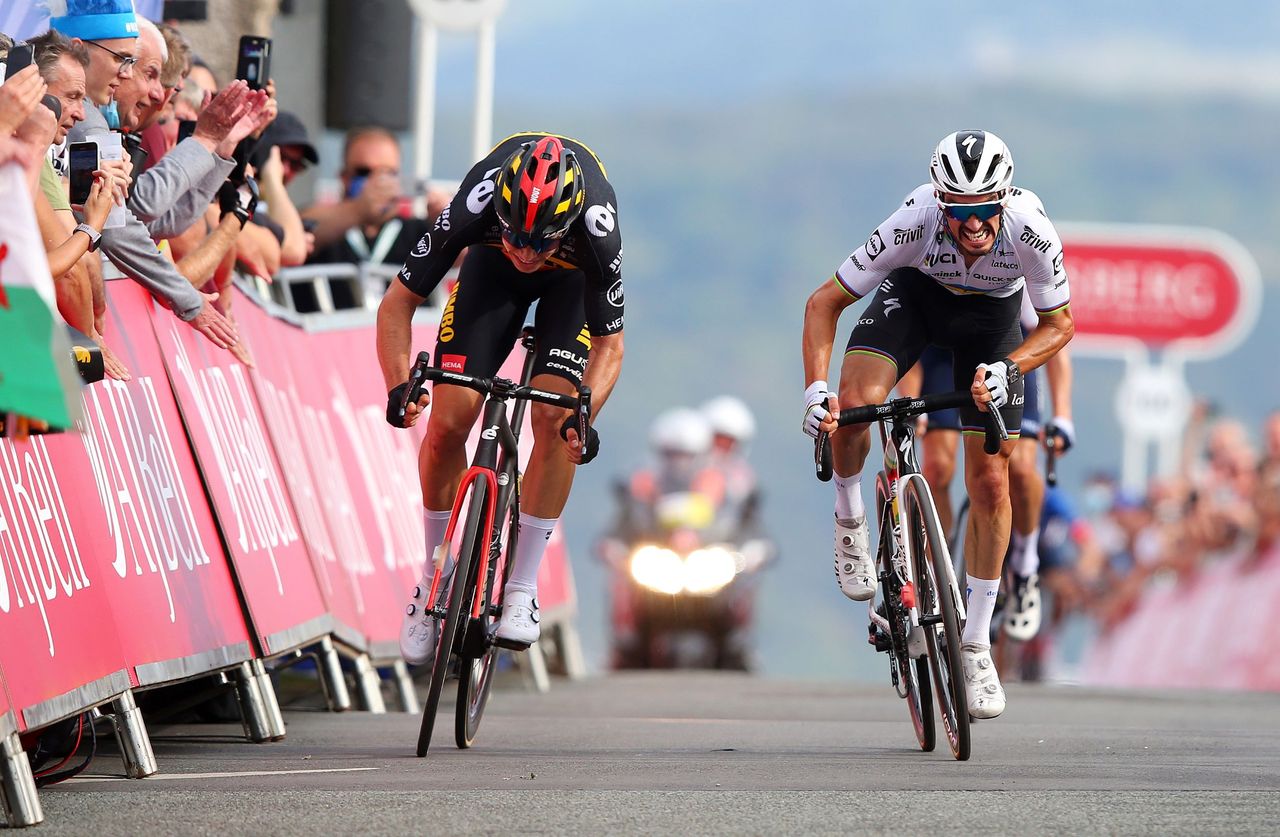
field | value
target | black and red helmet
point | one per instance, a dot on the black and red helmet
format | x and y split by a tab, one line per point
539	193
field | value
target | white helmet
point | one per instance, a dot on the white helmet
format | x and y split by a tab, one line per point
728	416
680	430
971	163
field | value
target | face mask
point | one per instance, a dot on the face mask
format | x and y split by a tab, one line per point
1096	500
112	114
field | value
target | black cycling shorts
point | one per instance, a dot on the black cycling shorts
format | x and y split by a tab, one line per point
488	307
936	365
910	311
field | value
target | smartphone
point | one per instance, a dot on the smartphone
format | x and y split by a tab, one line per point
186	128
83	160
254	63
19	57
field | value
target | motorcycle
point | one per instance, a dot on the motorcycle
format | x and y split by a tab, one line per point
684	584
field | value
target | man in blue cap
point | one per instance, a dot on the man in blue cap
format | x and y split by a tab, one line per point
110	30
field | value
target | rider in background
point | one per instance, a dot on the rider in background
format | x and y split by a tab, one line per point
733	427
948	268
544	221
941	434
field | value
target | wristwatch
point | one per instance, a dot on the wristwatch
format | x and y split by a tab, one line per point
94	235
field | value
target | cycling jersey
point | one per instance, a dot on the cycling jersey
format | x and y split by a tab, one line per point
1027	252
592	245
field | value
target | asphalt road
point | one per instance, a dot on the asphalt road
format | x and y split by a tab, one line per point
694	753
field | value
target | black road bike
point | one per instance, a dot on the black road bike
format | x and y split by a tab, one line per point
918	611
468	604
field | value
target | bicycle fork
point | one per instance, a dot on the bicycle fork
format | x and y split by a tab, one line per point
473	473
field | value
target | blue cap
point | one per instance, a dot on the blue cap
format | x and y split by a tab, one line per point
94	20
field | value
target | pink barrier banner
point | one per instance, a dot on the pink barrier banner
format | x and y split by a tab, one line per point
242	474
111	572
1213	630
370	472
327	530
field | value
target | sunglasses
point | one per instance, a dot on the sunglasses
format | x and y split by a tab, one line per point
963	211
126	61
523	240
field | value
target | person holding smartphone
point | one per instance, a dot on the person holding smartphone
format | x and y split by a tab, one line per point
364	226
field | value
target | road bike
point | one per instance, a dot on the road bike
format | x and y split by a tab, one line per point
468	603
918	611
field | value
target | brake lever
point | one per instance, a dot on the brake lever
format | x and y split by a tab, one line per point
822	456
417	375
996	432
584	416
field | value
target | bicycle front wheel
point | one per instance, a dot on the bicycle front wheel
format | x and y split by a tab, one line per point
461	594
475	679
911	676
938	615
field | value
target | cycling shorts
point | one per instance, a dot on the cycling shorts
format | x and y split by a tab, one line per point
910	311
487	309
936	366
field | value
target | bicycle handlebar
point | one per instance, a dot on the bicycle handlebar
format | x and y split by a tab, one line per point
423	371
1051	460
901	408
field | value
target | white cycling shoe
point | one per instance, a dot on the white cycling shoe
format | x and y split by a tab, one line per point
518	628
1022	621
982	688
855	571
418	628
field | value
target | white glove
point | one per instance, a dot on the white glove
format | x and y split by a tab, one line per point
1063	432
996	379
815	408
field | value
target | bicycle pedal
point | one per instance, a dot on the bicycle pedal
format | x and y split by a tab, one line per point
511	644
880	640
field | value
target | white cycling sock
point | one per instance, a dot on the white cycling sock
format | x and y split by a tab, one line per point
531	545
849	497
436	522
1026	552
980	603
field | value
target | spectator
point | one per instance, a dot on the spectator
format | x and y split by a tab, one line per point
363	226
283	152
109	28
70	247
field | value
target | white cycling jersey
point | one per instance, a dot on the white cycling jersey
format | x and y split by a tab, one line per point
1027	252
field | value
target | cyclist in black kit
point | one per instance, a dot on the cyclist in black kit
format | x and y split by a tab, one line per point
541	222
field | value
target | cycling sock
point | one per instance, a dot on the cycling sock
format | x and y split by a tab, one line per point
436	523
849	497
530	547
980	602
1026	554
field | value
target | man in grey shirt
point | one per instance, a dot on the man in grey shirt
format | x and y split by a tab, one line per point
114	50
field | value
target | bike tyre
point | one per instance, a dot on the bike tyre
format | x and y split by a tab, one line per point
460	597
932	595
916	676
475	677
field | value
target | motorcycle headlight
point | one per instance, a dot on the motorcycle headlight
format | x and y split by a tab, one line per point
658	569
707	571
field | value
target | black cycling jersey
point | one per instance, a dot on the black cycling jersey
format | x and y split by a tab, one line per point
592	245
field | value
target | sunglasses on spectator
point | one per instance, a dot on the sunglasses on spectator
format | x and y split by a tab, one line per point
963	211
126	61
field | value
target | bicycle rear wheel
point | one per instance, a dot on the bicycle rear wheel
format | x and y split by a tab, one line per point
912	676
461	595
475	677
939	616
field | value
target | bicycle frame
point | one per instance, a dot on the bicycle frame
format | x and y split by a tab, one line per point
898	471
501	474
